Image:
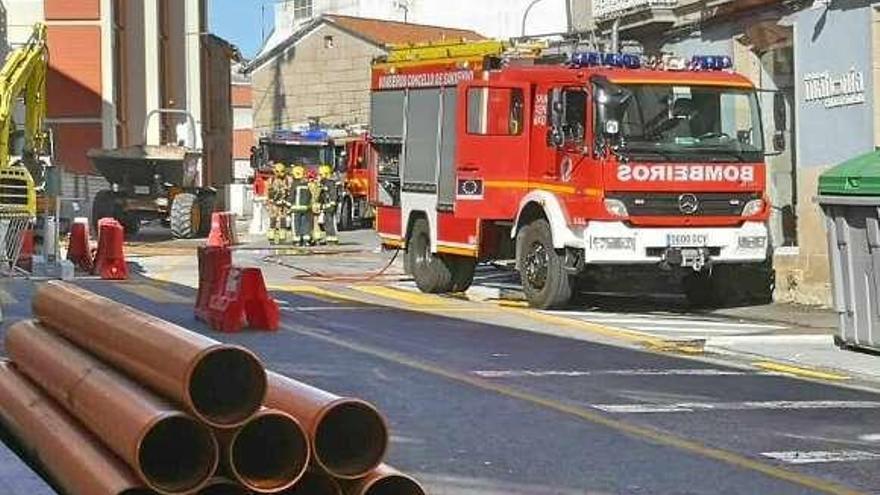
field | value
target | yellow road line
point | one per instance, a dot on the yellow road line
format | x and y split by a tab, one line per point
312	290
155	294
643	432
798	371
412	298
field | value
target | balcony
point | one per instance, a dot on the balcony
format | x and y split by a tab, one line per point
636	15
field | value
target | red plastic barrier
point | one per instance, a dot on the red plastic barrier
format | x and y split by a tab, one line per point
223	231
213	264
242	299
78	250
26	255
110	258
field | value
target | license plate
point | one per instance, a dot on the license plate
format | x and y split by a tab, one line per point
142	190
687	240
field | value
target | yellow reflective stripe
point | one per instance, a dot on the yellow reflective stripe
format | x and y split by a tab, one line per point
458	251
521	184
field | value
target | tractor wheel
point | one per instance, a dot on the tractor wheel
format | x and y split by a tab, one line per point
544	279
186	216
104	206
463	268
430	271
131	223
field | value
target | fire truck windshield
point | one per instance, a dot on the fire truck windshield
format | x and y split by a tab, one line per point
289	154
691	123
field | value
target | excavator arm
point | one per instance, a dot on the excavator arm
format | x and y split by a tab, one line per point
22	76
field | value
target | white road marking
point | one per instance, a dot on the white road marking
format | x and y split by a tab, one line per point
699	331
822	456
629	372
684	407
870	437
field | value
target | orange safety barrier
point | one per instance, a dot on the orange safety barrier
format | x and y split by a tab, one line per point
79	251
213	263
110	258
223	230
241	299
26	255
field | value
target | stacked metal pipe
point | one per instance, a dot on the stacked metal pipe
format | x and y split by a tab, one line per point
113	401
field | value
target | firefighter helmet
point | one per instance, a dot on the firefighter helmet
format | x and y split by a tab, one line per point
280	169
325	171
298	172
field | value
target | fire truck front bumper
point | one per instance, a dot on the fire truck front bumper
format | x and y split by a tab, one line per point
618	243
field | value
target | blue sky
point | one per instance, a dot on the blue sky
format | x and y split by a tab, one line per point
238	21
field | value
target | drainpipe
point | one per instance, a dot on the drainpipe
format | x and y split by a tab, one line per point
569	13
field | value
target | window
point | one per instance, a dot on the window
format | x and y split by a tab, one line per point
574	120
329	42
495	111
302	9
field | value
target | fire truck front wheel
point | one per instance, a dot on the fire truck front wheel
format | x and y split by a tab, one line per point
431	272
545	281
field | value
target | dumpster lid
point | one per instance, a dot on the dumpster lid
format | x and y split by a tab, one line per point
859	176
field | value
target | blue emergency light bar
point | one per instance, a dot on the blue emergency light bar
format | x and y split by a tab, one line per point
597	59
312	135
711	62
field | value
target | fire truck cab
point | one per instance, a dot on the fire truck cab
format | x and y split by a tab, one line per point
569	168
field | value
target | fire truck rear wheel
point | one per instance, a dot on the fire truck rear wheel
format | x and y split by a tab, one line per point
463	268
431	272
346	220
104	206
545	282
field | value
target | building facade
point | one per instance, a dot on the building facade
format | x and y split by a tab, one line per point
243	137
817	64
322	71
112	62
501	19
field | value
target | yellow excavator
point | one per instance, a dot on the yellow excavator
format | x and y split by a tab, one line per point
23	77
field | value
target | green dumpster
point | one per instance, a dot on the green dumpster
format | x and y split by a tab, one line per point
849	195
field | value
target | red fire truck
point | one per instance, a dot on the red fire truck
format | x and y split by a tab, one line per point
312	145
600	164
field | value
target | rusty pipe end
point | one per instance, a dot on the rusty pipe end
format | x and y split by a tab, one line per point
314	483
227	386
269	453
223	486
392	484
351	438
177	454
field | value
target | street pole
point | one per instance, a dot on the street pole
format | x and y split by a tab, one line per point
526	15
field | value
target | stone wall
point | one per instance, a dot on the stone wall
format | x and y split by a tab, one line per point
325	75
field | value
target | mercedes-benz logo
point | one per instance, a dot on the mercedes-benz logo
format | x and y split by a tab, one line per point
688	204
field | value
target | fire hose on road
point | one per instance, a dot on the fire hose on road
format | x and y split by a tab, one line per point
112	401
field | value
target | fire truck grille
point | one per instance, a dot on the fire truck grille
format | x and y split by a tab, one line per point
684	204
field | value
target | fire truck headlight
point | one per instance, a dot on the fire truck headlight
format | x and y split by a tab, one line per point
616	208
753	242
114	187
162	202
753	208
613	243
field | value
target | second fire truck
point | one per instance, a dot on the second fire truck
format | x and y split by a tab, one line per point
600	164
312	146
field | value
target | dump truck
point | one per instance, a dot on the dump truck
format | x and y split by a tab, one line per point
155	182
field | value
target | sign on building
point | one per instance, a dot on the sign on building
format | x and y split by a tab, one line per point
835	90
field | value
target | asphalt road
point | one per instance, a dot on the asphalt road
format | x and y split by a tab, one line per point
482	409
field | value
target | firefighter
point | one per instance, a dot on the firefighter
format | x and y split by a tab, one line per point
301	205
317	207
329	202
279	187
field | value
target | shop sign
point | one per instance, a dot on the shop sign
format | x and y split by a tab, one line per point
835	90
